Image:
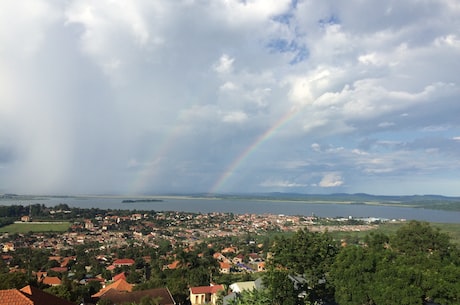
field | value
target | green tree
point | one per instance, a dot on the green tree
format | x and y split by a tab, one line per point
416	265
104	302
352	275
281	289
305	255
253	297
59	291
13	280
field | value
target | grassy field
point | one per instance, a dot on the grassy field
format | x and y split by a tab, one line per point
452	229
35	227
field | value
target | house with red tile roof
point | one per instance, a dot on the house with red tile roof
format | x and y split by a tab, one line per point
30	296
59	269
123	262
119	276
51	280
120	285
172	266
205	294
224	268
161	295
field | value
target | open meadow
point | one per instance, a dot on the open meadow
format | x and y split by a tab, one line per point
26	227
452	229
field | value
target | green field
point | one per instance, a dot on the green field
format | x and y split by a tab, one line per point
35	227
452	229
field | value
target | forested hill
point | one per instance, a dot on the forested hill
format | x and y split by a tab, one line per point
438	202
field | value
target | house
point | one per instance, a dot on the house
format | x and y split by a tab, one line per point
66	260
59	269
123	262
89	224
220	257
238	287
254	258
121	275
261	266
25	218
30	296
161	295
205	294
51	280
174	265
229	250
224	268
238	259
8	247
120	285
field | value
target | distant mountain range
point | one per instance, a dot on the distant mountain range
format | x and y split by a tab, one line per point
438	202
420	201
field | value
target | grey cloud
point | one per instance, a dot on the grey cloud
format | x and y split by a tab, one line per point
168	96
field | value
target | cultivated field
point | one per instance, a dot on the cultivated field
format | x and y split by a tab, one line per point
35	227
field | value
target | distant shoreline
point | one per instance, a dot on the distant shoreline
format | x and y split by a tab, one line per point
141	200
432	202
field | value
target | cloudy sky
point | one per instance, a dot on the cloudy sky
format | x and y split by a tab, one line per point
148	97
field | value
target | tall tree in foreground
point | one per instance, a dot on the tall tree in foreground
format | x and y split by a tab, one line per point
299	267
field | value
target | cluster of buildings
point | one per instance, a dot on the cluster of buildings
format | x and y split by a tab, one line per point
108	231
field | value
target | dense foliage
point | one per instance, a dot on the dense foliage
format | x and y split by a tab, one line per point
299	266
416	265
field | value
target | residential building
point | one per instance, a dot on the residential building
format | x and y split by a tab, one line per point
205	294
123	262
161	295
30	296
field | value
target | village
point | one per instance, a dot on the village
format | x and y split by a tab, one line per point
119	250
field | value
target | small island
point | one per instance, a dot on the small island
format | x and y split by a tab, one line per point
141	200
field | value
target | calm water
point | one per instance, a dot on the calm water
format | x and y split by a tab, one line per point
255	206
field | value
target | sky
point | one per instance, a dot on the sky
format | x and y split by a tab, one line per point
230	96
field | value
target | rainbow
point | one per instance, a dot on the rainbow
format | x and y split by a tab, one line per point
223	178
148	172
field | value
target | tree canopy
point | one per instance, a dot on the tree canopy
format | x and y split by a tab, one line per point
416	265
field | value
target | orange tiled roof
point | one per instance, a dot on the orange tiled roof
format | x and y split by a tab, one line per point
119	276
39	297
124	261
120	285
13	297
224	265
30	296
173	265
59	269
206	289
51	280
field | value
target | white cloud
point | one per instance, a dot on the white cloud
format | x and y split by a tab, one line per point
224	64
331	180
281	184
316	147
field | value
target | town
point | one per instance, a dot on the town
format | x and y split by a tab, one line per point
122	250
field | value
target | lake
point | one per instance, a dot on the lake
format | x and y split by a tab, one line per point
242	206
